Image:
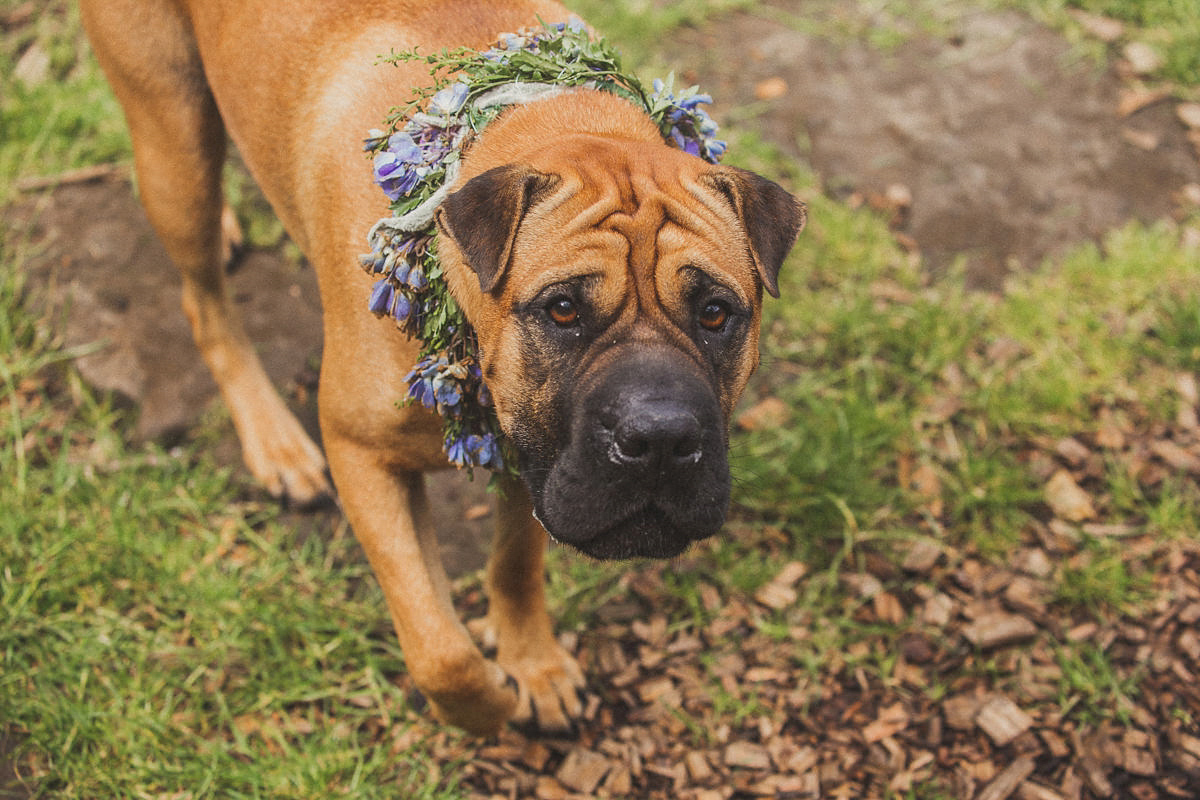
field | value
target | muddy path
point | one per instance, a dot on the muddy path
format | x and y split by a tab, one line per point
994	142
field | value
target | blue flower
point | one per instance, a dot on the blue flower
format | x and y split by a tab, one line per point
381	297
421	390
448	101
482	448
456	451
445	391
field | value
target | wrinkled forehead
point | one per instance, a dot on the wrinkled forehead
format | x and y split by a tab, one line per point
640	206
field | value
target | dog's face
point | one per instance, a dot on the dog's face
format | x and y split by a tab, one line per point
616	294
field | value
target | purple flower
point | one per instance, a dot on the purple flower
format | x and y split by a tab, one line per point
395	177
381	297
416	278
448	101
401	308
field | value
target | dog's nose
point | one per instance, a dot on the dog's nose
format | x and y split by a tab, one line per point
656	434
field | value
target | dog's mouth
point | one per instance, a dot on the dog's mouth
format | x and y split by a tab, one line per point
649	532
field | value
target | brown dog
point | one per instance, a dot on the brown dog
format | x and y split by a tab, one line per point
614	284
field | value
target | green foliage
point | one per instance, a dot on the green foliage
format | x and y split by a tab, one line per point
66	119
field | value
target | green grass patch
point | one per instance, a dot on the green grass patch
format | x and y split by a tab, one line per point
160	635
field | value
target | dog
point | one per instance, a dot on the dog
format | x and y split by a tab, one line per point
614	283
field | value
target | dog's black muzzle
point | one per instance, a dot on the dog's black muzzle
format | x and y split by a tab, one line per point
644	471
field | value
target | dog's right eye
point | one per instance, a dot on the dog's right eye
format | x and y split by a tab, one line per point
563	312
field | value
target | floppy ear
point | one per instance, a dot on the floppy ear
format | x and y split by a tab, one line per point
482	217
771	216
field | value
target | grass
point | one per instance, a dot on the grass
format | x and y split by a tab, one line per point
163	633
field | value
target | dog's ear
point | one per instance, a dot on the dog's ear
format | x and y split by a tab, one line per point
483	216
771	216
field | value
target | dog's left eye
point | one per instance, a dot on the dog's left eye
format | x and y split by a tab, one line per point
713	315
563	312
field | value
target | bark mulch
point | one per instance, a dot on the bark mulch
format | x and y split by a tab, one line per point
953	674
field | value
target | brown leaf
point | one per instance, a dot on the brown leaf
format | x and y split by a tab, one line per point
1067	500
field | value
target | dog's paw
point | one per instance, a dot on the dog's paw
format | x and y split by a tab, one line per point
481	703
551	693
282	457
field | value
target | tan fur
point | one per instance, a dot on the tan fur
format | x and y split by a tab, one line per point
296	84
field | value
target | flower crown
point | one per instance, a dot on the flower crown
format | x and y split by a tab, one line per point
416	160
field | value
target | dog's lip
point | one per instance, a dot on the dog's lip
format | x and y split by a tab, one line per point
617	522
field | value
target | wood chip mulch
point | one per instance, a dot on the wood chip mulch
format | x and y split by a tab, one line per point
966	673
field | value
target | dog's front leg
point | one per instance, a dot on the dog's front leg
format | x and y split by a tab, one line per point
390	515
550	680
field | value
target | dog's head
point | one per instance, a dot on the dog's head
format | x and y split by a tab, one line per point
615	288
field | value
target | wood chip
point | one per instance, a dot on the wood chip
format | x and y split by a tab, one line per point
922	556
1067	500
1176	457
747	755
1106	29
1189	114
477	512
770	89
582	770
1005	784
767	414
1143	58
1002	720
890	721
938	610
1035	791
697	766
993	630
1132	100
775	596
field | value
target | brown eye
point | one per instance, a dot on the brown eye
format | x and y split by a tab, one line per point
563	311
714	315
